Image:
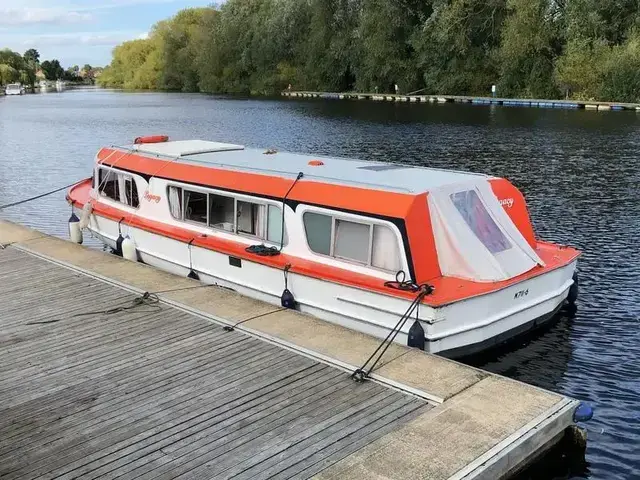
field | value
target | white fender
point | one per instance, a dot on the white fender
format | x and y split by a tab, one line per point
129	249
86	214
75	233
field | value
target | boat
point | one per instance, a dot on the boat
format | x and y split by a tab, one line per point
14	89
60	85
436	259
43	86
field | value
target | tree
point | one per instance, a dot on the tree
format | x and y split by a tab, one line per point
8	74
31	61
32	56
385	56
52	69
528	50
456	47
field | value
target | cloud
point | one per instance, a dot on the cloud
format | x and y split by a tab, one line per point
21	16
75	39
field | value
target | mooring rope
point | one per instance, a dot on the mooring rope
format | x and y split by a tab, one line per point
362	373
2	207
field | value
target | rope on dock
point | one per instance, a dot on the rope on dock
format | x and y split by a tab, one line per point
2	207
362	373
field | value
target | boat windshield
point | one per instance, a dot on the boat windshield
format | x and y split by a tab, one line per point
475	238
13	86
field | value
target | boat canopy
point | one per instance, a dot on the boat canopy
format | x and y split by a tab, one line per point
474	236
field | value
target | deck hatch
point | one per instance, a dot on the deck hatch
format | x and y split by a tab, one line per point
182	148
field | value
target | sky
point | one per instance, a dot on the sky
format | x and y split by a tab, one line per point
78	32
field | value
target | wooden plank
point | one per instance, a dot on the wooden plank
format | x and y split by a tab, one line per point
160	393
277	393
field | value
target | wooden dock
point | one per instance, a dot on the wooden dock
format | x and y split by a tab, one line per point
98	381
510	102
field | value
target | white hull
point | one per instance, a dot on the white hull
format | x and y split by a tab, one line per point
456	329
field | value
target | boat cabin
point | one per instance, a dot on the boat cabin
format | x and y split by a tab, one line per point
372	218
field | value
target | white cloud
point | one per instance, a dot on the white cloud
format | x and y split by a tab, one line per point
10	17
143	36
77	38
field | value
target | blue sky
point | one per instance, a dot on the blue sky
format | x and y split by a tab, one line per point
81	31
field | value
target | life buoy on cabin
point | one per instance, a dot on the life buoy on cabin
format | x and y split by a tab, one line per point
151	139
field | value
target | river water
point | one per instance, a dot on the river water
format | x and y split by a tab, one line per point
579	170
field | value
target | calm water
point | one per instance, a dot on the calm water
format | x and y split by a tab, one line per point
579	170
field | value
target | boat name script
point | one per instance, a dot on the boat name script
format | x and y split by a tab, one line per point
507	202
149	197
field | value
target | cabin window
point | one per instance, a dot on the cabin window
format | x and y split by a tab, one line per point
222	212
479	220
108	184
195	206
251	218
318	230
274	224
227	213
366	243
175	202
131	192
351	241
385	253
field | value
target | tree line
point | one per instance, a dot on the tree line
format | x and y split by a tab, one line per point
27	69
583	49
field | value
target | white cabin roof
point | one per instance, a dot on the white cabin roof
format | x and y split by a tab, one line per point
386	176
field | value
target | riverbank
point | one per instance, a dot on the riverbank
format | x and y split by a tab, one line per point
512	102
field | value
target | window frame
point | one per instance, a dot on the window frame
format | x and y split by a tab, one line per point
120	174
370	222
184	210
236	197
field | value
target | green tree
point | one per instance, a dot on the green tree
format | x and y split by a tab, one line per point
385	55
52	69
31	56
8	74
528	49
457	46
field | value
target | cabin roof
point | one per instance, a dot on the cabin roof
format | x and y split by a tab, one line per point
343	171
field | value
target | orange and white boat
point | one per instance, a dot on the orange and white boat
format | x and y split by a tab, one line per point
352	242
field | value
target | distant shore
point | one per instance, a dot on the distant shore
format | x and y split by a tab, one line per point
514	102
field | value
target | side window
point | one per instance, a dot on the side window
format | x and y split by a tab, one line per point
318	230
195	206
222	212
250	219
131	192
108	183
226	213
274	225
175	202
351	241
365	243
384	249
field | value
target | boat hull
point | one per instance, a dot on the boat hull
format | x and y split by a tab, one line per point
458	329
